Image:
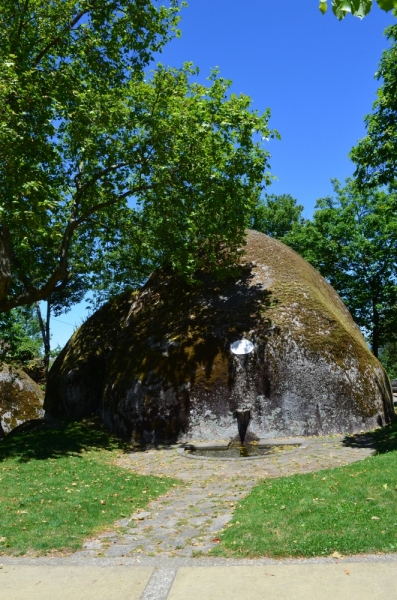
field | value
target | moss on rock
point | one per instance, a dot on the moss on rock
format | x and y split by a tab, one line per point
21	399
157	364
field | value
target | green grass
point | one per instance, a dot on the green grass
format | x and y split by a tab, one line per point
352	509
60	486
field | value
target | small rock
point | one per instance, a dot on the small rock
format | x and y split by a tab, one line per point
140	516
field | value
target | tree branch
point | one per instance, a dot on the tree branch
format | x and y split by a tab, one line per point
99	207
101	174
61	273
21	22
5	261
59	37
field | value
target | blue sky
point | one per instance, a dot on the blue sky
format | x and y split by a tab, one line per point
316	74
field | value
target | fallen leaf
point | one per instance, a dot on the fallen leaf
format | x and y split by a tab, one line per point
103	501
347	571
216	540
336	555
375	518
385	486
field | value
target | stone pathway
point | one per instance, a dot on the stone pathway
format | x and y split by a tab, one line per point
186	521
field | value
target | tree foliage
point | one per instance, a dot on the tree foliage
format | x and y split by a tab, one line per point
20	338
276	215
376	154
388	357
86	142
65	68
358	8
352	241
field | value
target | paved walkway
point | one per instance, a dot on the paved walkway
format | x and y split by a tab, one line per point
150	556
188	518
364	578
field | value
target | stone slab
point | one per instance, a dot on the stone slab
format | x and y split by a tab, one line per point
282	442
205	445
19	582
342	581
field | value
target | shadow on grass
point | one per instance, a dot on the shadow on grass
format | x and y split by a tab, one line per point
63	439
382	440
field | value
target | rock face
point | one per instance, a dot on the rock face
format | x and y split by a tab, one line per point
21	399
157	364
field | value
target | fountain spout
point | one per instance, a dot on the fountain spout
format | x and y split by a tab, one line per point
243	418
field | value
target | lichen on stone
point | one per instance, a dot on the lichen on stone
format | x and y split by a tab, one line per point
21	399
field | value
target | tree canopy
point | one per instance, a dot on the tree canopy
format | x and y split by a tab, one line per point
20	338
376	154
88	141
352	241
358	8
276	215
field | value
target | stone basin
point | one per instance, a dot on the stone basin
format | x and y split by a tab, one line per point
231	450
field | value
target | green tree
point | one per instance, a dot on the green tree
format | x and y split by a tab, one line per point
124	261
358	8
388	357
64	67
84	136
58	303
376	154
20	338
276	215
352	241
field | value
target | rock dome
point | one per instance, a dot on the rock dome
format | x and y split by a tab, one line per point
158	364
21	399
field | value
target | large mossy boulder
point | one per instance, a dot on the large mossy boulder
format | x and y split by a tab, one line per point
157	365
21	399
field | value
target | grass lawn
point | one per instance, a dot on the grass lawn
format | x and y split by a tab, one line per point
349	510
60	486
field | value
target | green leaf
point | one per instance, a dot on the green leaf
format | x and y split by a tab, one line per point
361	8
358	8
323	7
341	7
387	5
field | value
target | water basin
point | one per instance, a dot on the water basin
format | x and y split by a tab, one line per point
235	450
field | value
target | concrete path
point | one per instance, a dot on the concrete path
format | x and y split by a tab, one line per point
185	521
368	578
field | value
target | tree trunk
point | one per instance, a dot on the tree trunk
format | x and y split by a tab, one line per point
375	329
45	334
47	348
5	261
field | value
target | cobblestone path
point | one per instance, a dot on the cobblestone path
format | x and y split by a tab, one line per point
186	520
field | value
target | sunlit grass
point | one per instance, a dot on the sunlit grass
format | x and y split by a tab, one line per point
349	510
58	487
